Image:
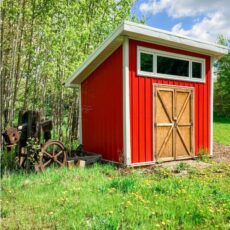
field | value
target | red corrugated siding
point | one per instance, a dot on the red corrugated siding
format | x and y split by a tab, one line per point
141	105
102	113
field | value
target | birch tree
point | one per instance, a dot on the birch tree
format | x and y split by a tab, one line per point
42	43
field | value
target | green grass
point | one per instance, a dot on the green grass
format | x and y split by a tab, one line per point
102	197
222	131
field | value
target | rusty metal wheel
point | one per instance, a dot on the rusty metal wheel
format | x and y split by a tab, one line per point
52	153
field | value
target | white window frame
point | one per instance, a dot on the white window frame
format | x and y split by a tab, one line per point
156	53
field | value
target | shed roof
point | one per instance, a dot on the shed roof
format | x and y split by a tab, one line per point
143	33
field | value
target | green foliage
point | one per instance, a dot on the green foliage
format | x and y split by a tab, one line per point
72	145
162	173
125	184
100	197
222	86
8	160
203	155
105	222
181	167
42	44
33	153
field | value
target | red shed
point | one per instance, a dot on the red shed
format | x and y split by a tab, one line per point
147	95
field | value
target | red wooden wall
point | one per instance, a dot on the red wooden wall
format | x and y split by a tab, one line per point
141	105
102	111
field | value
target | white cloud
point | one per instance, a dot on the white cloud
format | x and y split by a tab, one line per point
215	21
208	29
154	6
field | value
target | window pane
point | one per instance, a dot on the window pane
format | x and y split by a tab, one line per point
146	62
172	66
196	70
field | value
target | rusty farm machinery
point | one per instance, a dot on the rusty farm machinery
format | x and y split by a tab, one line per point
32	139
33	134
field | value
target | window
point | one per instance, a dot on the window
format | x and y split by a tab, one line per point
146	62
172	66
197	70
163	64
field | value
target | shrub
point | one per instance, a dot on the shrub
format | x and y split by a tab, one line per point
124	185
203	155
8	161
181	167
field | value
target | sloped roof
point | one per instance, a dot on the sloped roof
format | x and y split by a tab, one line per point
143	33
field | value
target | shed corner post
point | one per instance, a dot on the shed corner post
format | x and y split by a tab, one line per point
80	114
211	104
126	103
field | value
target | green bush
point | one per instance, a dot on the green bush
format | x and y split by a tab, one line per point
8	161
222	85
124	185
204	155
181	167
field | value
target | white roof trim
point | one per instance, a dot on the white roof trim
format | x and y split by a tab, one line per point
145	33
173	37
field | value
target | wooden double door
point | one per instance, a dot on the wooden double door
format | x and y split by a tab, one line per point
173	123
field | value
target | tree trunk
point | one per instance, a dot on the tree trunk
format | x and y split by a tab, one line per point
28	73
18	71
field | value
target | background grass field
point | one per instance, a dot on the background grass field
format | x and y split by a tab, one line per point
104	197
222	131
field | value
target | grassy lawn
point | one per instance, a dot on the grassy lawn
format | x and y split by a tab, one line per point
222	131
102	197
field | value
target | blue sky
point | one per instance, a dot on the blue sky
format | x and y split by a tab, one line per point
161	20
203	19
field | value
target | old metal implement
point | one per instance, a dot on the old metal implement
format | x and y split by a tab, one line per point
31	125
52	152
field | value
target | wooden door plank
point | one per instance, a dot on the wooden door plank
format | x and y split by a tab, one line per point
165	142
163	96
163	124
192	122
183	107
183	142
164	107
186	124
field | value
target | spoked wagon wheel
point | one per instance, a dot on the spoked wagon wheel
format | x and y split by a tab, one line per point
52	153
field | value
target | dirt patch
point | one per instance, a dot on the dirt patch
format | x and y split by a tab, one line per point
221	153
173	165
179	168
